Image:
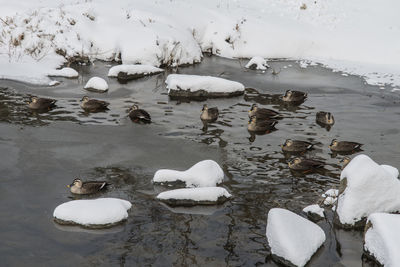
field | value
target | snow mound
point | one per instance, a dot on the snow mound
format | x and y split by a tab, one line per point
314	209
195	196
64	72
138	70
257	63
196	85
96	84
93	212
367	188
331	193
381	239
205	173
292	237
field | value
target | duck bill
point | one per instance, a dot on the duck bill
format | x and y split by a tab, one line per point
70	185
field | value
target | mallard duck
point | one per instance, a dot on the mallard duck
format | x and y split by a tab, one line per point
262	113
39	103
259	126
85	188
294	96
344	161
325	118
209	114
296	146
344	146
93	105
139	115
302	164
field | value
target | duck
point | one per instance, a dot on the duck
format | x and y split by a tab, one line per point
262	113
296	146
93	105
302	164
325	118
86	188
257	125
344	161
139	115
40	103
294	96
209	114
344	146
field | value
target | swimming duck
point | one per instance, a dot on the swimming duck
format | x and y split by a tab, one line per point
344	161
256	125
302	164
294	96
93	105
262	113
39	103
296	146
209	114
139	115
85	188
325	118
344	146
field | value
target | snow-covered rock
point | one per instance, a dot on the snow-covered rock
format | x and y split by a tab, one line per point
96	84
381	239
292	238
101	212
195	196
54	83
331	193
130	72
64	72
366	188
257	63
182	85
314	212
206	173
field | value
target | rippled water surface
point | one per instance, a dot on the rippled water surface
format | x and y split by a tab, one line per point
42	152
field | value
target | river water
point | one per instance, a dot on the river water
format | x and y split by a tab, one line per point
42	153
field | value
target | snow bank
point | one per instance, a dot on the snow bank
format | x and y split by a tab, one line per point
314	209
292	237
257	63
136	71
96	84
381	239
195	196
64	72
92	213
368	188
206	173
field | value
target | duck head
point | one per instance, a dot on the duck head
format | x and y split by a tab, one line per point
253	107
85	99
288	95
134	107
288	142
344	161
333	143
294	161
205	107
77	182
329	118
34	99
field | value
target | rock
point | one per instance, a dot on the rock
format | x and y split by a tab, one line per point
314	212
257	63
96	84
64	72
125	73
195	196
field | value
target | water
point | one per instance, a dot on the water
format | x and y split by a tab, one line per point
42	153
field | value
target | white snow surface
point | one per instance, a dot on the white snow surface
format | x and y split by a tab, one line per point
340	35
133	69
370	188
99	211
97	83
206	173
64	72
196	194
293	237
194	83
382	239
315	209
260	62
331	193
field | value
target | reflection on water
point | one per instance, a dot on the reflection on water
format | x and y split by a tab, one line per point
108	146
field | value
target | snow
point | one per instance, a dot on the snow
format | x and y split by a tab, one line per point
370	188
316	209
208	83
133	69
210	194
293	237
340	35
259	62
64	72
381	240
93	212
206	173
97	84
331	193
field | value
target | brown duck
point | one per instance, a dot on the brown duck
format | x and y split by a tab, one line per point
325	118
139	115
294	96
85	188
40	103
262	113
209	114
344	146
296	146
260	126
93	105
302	164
